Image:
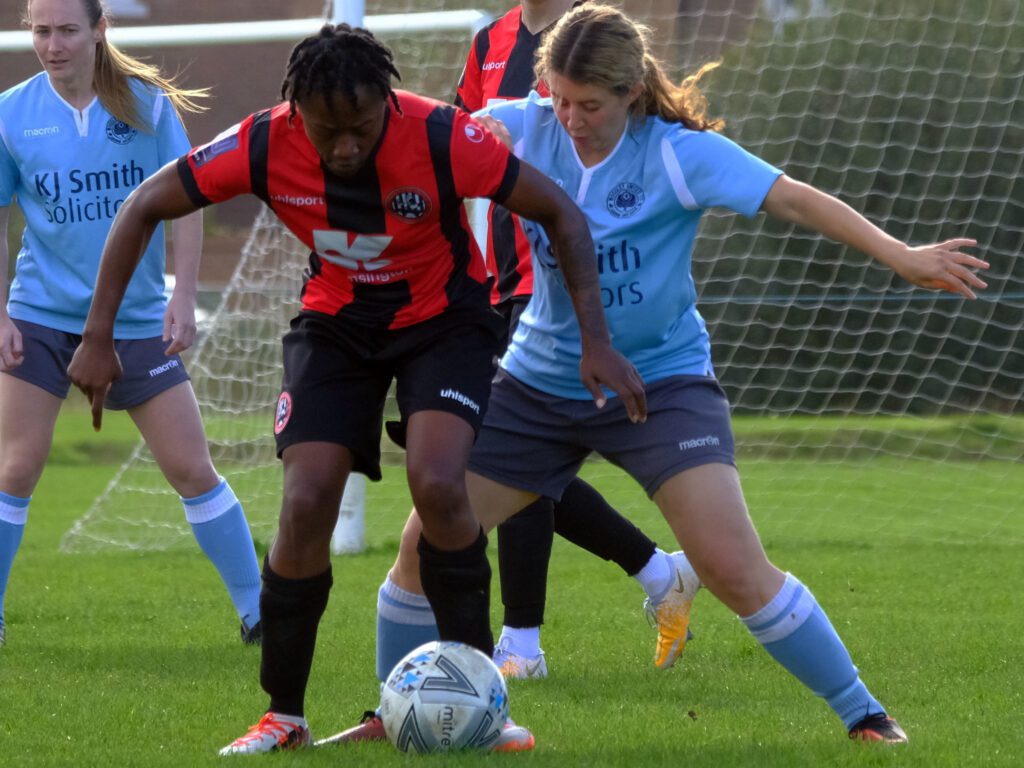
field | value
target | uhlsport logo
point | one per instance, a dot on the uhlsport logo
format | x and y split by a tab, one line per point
409	203
454	394
625	199
283	413
118	132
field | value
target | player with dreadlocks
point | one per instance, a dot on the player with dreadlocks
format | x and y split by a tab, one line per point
372	181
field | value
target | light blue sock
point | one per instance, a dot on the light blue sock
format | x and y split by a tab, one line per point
794	629
13	514
220	527
404	621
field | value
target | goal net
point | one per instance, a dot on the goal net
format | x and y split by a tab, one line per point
856	395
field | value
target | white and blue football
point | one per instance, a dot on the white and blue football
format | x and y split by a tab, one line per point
444	696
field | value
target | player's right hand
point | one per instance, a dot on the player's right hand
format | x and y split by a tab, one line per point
605	366
11	349
93	369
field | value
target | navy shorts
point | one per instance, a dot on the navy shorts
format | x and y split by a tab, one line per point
337	376
537	442
147	370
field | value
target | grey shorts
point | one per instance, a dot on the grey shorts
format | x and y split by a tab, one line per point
147	370
537	442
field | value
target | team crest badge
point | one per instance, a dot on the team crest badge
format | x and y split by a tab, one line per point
474	133
283	414
625	199
409	203
118	132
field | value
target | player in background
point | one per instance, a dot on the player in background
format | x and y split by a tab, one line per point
372	181
75	140
637	153
499	68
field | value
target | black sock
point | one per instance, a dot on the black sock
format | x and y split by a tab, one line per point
524	550
588	521
290	610
458	586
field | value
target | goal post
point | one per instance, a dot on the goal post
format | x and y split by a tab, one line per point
842	376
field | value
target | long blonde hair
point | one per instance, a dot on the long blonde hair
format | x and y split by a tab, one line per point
599	45
114	68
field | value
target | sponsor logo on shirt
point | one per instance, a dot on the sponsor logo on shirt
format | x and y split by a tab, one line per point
35	133
409	203
454	394
298	201
118	132
625	199
709	441
491	65
76	194
154	372
352	250
221	143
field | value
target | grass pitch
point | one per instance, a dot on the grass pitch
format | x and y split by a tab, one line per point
122	658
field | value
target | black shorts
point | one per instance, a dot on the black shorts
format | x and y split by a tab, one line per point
147	371
337	375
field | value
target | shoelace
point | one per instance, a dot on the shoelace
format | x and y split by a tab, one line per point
268	724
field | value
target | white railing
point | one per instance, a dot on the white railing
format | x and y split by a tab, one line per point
267	31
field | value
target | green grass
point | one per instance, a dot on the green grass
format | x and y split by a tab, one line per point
121	658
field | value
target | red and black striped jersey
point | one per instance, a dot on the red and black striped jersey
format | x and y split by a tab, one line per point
390	246
500	68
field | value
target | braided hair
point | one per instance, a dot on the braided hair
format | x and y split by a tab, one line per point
339	59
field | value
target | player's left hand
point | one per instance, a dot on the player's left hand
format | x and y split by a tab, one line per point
605	365
179	324
495	126
943	266
94	367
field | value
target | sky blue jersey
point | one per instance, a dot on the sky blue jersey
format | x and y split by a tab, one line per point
643	204
70	171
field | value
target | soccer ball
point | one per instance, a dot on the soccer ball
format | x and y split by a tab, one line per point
444	696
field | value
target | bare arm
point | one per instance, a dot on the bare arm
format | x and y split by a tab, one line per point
10	337
180	317
936	265
536	197
95	364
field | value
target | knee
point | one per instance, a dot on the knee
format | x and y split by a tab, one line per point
20	471
191	479
437	493
309	511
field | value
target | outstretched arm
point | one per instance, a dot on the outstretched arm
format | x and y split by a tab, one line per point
539	199
95	365
936	265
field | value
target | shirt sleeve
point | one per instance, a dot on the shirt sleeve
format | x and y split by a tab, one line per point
9	174
512	114
469	95
707	170
172	141
219	170
481	164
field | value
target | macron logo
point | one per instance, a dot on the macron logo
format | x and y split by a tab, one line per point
163	368
454	394
699	442
32	133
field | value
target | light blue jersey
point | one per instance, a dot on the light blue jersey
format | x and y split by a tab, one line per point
70	172
643	203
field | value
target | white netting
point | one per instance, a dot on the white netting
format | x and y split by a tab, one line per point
853	392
